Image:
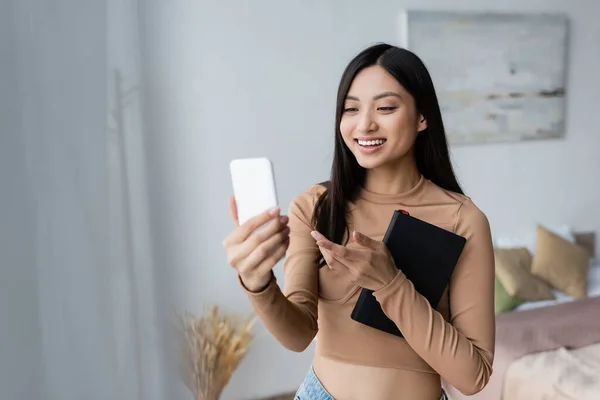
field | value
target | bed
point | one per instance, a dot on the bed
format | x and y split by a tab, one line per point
548	349
567	374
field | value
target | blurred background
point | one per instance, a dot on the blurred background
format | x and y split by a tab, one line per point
118	120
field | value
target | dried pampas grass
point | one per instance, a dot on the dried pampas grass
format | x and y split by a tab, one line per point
212	347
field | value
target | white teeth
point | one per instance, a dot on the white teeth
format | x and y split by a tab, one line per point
371	142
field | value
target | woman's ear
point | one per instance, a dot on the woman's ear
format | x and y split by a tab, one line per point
422	124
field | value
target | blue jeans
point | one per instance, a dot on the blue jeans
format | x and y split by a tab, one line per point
312	389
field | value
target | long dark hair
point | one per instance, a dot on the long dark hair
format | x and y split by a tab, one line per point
430	148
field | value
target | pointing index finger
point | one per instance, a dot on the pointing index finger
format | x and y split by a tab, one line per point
339	251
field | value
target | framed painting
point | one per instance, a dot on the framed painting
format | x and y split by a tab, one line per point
498	77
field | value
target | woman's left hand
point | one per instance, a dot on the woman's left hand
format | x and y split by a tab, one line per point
370	265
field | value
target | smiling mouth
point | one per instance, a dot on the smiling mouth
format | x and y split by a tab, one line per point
370	143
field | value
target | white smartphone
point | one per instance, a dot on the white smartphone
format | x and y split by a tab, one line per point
254	188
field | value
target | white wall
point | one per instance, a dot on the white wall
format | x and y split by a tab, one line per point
20	337
236	78
76	316
58	154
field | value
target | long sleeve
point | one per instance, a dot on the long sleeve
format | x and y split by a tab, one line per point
291	315
462	350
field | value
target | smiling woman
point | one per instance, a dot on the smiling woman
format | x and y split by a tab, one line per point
390	153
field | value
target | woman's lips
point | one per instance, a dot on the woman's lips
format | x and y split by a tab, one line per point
370	146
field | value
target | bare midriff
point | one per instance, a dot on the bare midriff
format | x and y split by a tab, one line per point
358	382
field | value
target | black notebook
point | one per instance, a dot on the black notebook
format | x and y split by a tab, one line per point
425	253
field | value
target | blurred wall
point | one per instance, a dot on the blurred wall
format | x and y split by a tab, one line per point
20	328
67	302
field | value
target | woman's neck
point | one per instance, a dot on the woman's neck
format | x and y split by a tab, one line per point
394	178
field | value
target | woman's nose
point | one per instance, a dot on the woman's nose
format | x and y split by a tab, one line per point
366	123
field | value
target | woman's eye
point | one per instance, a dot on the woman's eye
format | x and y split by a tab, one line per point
387	108
350	109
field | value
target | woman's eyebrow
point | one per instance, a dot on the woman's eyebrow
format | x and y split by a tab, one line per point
387	94
377	97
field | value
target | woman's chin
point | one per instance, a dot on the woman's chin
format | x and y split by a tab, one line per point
370	162
385	159
378	162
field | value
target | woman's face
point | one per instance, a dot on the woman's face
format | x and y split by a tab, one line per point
379	123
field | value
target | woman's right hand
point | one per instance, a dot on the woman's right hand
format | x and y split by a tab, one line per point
254	252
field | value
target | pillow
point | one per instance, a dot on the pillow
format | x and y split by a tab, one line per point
527	238
560	263
587	240
502	300
513	272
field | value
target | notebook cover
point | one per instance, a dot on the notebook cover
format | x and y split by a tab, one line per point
426	254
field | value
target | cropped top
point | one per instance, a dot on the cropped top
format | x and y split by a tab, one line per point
456	340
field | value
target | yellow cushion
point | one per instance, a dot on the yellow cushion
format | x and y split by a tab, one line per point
560	263
513	272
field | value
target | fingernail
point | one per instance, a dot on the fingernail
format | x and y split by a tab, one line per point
286	230
284	220
315	235
358	235
274	211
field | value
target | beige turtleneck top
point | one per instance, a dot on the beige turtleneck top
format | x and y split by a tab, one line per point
456	340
